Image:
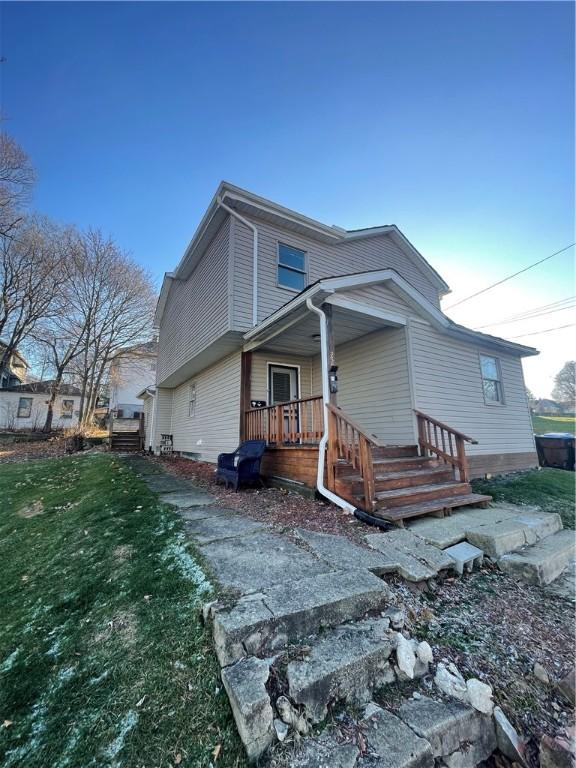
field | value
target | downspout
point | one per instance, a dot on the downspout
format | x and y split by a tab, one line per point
152	423
342	503
251	226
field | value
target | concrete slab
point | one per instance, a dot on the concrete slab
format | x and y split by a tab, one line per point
449	726
201	513
498	529
344	664
343	553
250	563
167	484
543	562
565	585
395	744
187	497
410	555
245	684
324	751
465	556
220	527
290	611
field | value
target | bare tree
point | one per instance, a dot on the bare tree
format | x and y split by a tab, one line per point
17	178
565	385
29	275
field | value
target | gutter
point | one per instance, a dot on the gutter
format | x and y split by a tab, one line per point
326	399
236	215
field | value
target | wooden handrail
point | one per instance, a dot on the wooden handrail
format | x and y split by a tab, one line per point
445	426
291	422
348	440
448	444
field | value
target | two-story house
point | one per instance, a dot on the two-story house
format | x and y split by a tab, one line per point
132	370
331	345
13	371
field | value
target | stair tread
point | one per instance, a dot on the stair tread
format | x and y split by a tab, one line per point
401	474
424	507
404	459
416	489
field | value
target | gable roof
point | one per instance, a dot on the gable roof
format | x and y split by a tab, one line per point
43	387
246	202
324	287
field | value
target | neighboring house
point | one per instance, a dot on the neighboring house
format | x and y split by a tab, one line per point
25	406
546	407
266	303
132	370
14	372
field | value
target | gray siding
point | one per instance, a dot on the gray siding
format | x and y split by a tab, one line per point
383	298
197	309
324	260
374	385
148	408
215	426
163	417
448	386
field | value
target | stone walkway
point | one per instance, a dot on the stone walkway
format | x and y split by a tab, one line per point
307	623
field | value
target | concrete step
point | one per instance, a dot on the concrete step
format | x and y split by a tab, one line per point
405	496
543	562
286	613
343	665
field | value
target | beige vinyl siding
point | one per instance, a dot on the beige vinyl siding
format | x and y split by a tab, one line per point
448	386
323	260
383	298
215	426
260	360
374	385
147	408
197	309
163	418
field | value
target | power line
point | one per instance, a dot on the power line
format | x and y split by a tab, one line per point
537	333
546	309
505	279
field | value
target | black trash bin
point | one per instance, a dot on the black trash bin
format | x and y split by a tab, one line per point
556	449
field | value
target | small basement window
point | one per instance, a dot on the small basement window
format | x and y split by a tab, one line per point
192	400
291	267
491	379
67	409
24	407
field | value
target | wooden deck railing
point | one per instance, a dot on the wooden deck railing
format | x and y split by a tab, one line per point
296	421
444	442
348	441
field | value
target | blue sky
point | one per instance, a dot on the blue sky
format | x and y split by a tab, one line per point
452	120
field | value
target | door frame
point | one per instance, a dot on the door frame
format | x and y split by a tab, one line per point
269	365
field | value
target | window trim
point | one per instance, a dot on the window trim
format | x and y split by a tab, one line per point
192	399
500	384
18	414
291	269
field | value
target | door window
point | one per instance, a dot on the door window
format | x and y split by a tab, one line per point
283	384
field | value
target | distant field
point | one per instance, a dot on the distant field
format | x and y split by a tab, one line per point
553	424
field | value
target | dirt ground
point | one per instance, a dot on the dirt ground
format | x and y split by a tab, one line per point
489	625
36	449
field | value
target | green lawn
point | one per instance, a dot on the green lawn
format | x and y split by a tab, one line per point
103	658
550	489
553	424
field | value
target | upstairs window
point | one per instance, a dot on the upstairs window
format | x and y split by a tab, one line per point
192	400
291	267
491	379
67	408
24	407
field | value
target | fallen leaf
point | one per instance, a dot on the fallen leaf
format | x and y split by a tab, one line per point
216	751
178	759
7	723
139	703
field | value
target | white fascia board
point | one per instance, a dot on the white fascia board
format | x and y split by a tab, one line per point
366	309
162	298
296	302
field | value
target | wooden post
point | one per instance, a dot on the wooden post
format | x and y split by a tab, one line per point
245	387
327	309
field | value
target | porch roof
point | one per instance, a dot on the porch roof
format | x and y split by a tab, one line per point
353	318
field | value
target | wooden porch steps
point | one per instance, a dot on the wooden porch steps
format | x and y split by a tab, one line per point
389	481
446	504
125	442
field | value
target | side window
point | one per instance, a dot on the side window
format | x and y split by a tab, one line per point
491	379
67	409
291	267
192	400
24	407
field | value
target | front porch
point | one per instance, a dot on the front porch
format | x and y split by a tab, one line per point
376	452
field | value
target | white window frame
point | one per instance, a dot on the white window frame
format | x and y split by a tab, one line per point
18	414
292	269
499	383
192	399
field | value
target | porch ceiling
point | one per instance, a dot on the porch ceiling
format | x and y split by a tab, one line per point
299	337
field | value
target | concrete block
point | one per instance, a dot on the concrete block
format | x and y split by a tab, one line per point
209	529
343	553
395	744
465	556
543	562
